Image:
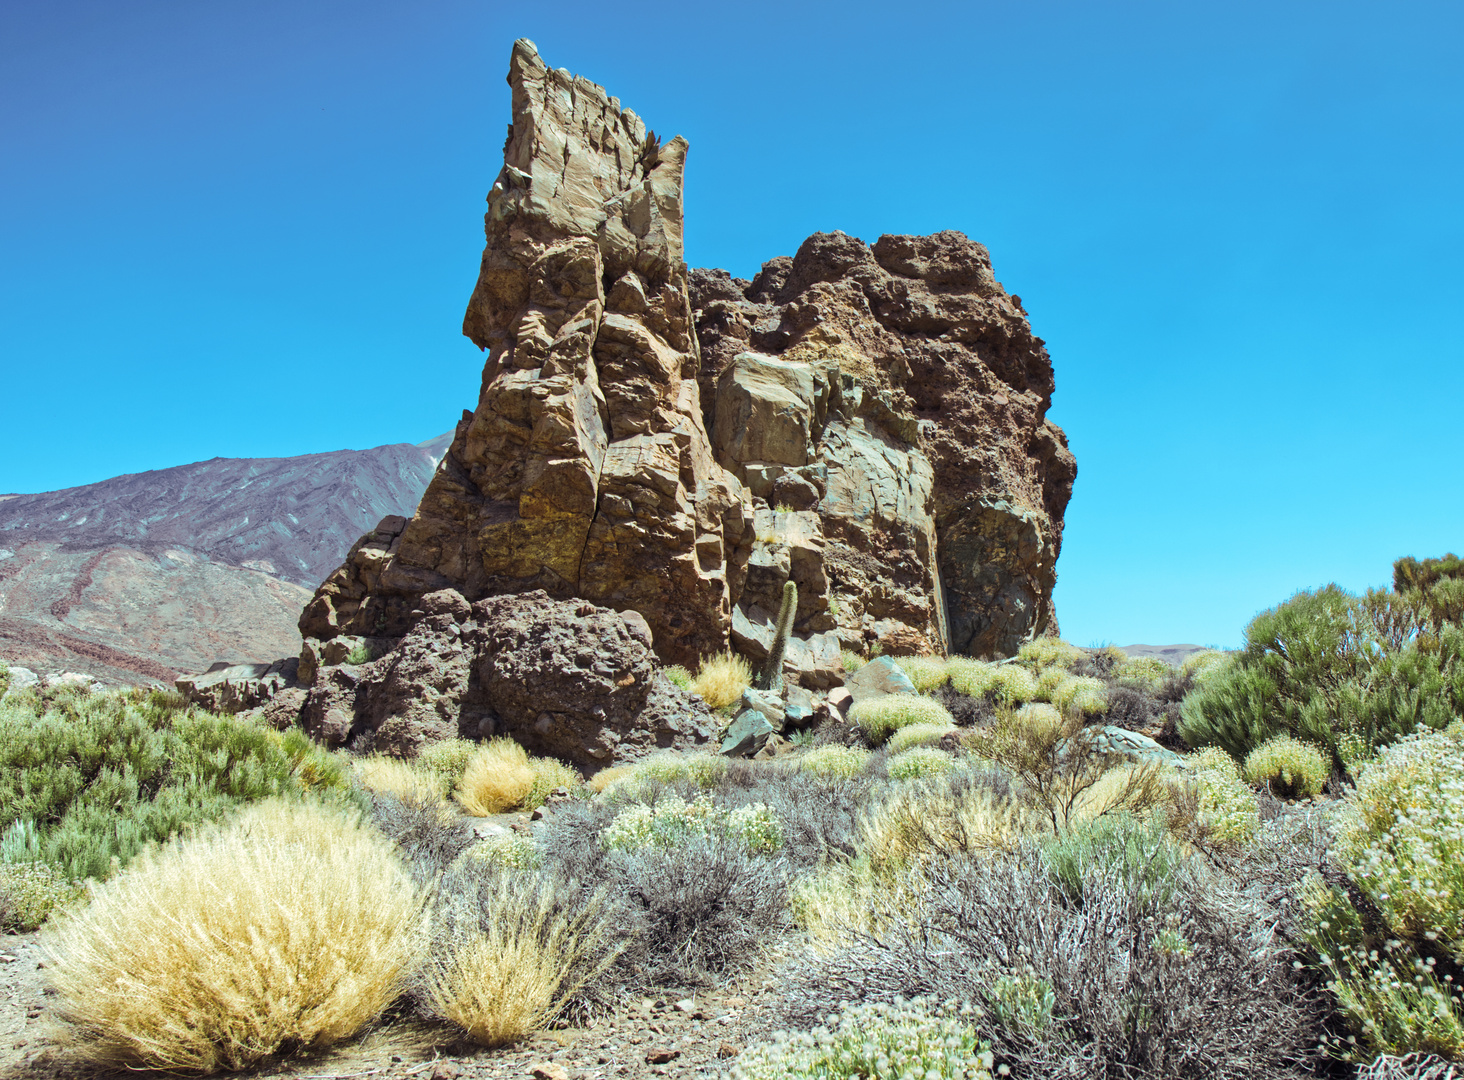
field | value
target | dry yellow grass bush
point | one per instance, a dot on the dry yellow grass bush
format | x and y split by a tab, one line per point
384	775
293	925
605	777
497	779
947	815
721	679
513	979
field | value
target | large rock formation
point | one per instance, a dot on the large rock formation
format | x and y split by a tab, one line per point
867	422
585	469
898	392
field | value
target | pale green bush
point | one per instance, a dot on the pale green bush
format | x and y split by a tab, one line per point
907	1039
1288	768
835	761
970	677
672	820
447	760
1227	807
879	717
31	891
679	677
1046	652
1082	694
920	762
703	770
549	773
1012	685
1148	672
513	851
917	735
1202	664
926	673
851	660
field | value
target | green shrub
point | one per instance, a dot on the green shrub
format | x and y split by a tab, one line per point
1146	672
1138	851
851	660
1227	808
920	762
879	716
679	677
907	1039
31	891
1327	666
1203	662
4	678
1081	694
834	761
549	774
512	851
1288	768
926	673
917	735
1046	652
446	760
1401	846
103	775
703	770
1411	574
1021	1001
671	821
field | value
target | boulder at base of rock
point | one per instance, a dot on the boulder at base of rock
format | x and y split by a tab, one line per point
1121	744
880	676
232	688
767	702
747	734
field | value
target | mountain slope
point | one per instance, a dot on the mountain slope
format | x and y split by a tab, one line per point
150	574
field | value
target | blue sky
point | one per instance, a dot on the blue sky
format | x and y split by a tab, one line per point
250	228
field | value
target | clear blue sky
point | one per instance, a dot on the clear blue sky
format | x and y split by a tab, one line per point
249	228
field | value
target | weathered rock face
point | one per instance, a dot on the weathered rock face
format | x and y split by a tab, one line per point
585	470
869	423
895	398
564	678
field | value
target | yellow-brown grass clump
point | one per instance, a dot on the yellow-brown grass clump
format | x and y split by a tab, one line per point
498	778
293	925
514	978
383	775
721	679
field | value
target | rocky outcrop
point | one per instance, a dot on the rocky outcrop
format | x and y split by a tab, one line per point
893	398
564	678
867	423
585	469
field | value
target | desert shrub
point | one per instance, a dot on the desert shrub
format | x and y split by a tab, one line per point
961	812
404	780
970	677
851	660
31	891
506	851
678	676
920	762
1207	660
21	842
721	679
1133	709
1131	850
917	735
671	821
549	774
1189	980
1060	776
878	717
1047	652
819	815
104	775
834	761
291	925
4	678
1084	695
1411	574
704	771
447	759
925	672
497	778
429	835
509	954
1288	768
1327	666
1228	813
1391	932
875	1039
1012	685
1146	672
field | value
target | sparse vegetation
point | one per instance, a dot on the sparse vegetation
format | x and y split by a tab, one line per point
879	717
721	679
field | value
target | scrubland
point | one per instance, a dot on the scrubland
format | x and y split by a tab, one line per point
960	883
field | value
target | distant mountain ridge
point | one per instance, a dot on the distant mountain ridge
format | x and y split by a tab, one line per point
147	574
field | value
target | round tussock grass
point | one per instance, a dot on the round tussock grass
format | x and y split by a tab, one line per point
834	761
721	679
926	673
1288	768
878	717
447	759
1081	694
497	779
917	735
1147	672
970	677
1047	652
920	762
293	925
383	775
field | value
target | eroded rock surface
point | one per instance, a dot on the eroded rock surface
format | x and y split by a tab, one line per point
895	398
564	678
585	469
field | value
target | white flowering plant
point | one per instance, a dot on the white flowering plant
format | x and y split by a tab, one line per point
1401	845
1227	807
672	820
876	1041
